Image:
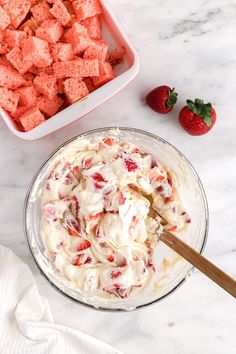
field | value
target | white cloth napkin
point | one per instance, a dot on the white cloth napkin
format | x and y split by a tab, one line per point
26	322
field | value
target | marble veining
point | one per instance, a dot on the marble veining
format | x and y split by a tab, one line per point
190	45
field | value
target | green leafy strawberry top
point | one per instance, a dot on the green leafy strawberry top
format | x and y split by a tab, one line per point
173	96
201	109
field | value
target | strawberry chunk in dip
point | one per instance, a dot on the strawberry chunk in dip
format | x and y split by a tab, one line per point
104	205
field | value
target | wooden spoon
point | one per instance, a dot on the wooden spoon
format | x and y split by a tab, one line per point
200	262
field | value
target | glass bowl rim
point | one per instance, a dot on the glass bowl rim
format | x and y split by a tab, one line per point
126	129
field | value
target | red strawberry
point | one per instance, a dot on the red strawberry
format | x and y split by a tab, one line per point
115	274
109	141
121	198
197	117
99	178
73	232
72	225
49	210
130	165
169	179
172	228
162	99
94	217
154	164
87	163
83	245
110	258
74	205
169	199
80	259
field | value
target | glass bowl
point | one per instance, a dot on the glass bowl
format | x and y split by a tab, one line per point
172	270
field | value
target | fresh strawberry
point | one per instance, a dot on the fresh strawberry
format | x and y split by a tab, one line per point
117	285
74	205
135	150
172	228
160	178
99	178
121	198
94	217
76	172
81	259
169	199
169	178
154	163
115	274
49	210
73	232
83	245
130	165
87	163
68	179
162	99
109	141
72	225
110	258
197	117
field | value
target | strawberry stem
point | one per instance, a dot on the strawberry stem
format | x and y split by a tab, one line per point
201	109
173	96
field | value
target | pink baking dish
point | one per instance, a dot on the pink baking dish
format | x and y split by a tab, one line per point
125	72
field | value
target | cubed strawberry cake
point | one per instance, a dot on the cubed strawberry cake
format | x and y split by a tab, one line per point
52	55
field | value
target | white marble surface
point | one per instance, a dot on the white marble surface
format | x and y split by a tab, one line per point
190	45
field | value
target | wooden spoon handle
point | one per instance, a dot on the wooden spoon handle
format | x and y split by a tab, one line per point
200	262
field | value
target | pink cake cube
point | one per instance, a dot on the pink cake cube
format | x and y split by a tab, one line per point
18	112
5	62
77	35
68	5
14	38
8	99
76	68
4	49
94	26
17	10
116	56
36	71
29	79
28	96
62	52
49	107
86	8
75	89
31	118
37	52
41	12
16	58
46	84
60	87
106	74
89	83
59	11
29	26
50	31
48	70
10	78
4	19
97	49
